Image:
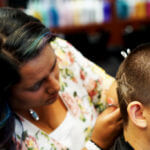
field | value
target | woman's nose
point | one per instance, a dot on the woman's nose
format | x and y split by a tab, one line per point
53	84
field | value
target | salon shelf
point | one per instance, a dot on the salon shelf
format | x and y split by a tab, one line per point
79	28
115	27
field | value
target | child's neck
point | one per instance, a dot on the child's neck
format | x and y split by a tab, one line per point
136	137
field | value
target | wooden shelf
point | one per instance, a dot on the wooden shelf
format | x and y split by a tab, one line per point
80	28
114	27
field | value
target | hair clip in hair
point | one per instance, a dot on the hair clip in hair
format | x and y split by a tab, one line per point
125	53
34	114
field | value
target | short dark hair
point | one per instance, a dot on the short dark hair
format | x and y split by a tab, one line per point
133	78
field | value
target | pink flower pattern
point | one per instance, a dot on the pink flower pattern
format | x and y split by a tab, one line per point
79	86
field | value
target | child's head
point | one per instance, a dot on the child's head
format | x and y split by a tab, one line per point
133	78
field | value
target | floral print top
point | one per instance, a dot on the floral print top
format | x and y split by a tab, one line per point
83	86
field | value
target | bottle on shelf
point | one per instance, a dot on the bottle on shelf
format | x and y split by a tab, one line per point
140	9
148	8
53	14
122	9
107	10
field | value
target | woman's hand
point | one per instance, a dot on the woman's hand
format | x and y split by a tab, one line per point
108	126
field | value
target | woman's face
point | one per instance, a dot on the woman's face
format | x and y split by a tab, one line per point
39	83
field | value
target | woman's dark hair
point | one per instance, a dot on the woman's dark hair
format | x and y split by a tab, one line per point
20	46
11	19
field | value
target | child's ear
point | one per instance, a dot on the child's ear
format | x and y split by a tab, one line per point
135	112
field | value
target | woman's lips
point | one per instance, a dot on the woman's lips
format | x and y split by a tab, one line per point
52	98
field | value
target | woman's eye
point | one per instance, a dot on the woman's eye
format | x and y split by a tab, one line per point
35	87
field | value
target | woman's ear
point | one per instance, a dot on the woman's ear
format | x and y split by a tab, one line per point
136	115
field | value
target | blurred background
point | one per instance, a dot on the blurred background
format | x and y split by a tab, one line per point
100	29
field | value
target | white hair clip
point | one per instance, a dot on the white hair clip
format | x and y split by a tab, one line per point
125	53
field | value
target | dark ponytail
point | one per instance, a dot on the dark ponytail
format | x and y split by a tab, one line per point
8	77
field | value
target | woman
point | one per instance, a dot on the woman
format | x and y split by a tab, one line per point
34	84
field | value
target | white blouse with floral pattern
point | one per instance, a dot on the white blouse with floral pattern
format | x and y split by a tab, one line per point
83	85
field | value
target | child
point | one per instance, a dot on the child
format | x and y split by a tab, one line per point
133	78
